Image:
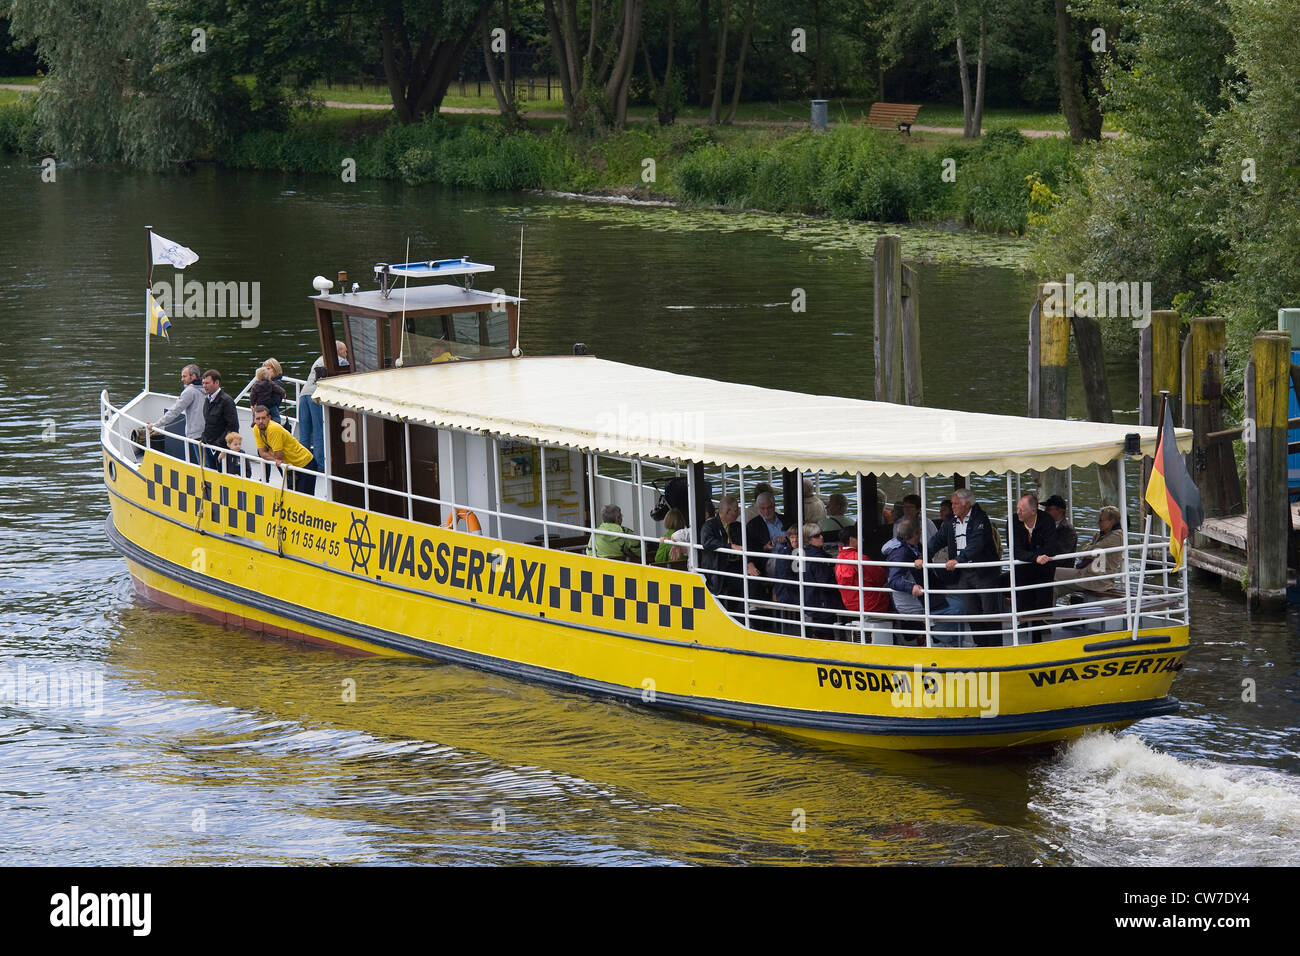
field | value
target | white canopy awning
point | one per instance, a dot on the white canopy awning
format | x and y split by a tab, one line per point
589	403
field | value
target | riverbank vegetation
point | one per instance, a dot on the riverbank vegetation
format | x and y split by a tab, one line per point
657	98
1199	196
848	172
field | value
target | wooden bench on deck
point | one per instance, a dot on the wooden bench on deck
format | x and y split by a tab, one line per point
898	116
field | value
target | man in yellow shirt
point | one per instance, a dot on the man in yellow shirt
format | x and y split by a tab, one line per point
275	444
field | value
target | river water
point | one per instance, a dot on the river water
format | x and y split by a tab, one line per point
210	745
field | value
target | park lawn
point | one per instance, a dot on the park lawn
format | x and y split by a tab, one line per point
839	110
795	112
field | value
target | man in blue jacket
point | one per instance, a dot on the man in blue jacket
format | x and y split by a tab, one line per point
968	536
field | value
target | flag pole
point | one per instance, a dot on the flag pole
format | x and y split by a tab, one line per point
1142	576
1146	531
1164	405
148	288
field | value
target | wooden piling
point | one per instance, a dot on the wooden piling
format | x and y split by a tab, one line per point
910	318
1213	467
1096	390
1268	515
1035	333
1159	357
887	341
1159	367
1053	376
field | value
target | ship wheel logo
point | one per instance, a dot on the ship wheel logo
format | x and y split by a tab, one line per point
359	544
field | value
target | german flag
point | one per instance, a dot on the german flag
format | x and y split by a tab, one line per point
1171	493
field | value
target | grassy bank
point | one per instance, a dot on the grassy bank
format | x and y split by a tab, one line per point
851	172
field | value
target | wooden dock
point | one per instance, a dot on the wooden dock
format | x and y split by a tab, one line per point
1224	546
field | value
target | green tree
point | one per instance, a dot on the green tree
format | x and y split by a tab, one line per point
1143	207
1079	53
1258	171
423	44
123	82
595	72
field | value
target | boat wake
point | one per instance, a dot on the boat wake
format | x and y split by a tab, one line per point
1116	801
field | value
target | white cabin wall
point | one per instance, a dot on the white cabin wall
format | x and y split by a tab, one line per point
465	472
521	487
636	502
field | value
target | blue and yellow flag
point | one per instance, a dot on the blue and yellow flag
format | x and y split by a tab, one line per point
158	321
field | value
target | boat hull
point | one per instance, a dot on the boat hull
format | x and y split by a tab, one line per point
227	548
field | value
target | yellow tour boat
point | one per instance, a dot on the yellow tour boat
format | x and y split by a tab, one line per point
463	515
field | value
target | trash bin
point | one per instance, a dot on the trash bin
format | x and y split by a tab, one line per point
819	115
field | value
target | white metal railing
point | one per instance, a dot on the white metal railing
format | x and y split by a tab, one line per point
820	617
124	442
1160	602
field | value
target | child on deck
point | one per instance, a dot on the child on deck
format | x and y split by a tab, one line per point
231	462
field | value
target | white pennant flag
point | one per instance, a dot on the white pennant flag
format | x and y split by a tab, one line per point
166	252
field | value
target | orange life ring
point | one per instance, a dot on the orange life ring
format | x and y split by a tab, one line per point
465	515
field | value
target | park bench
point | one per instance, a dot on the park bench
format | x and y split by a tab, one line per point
898	116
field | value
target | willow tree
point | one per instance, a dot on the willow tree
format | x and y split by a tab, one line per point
595	69
123	81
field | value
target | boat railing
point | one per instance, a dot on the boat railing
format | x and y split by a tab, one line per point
820	611
251	465
1109	600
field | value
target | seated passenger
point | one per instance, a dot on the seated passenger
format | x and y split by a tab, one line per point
836	520
846	575
820	596
751	510
719	540
441	352
908	584
1067	539
610	545
782	567
814	509
767	526
674	521
911	505
1082	578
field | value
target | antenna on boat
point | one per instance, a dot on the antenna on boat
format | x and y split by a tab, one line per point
406	282
519	295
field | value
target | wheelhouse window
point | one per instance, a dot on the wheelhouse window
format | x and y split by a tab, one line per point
430	339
